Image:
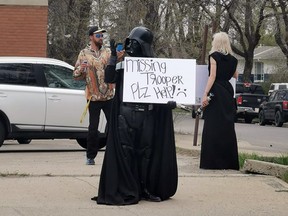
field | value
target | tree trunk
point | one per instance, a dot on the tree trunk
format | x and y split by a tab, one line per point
248	67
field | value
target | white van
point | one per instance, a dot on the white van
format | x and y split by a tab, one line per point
277	86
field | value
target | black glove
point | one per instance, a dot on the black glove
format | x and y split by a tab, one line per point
172	104
113	47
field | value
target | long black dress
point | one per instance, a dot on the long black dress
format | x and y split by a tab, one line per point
219	144
118	181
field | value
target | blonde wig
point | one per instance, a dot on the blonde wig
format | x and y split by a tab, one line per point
221	43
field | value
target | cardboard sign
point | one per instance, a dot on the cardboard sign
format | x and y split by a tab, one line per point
202	75
200	83
159	80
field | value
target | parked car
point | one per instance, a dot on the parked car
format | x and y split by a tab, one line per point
275	110
40	100
249	96
277	86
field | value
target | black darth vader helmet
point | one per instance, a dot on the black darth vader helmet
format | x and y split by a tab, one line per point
139	42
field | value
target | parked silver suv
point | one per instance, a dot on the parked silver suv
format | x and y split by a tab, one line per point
40	100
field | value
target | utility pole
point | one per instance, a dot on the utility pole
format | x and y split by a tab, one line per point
203	56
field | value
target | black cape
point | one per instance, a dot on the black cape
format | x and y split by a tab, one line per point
117	183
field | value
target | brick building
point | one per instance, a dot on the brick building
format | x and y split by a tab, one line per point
23	27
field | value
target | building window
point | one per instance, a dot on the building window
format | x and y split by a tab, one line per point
259	71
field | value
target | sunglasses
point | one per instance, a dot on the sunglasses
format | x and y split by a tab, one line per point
97	35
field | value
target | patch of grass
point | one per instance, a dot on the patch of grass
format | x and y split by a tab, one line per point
285	177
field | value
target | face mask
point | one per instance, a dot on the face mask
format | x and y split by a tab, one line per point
133	48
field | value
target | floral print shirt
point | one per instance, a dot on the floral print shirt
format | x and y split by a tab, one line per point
96	88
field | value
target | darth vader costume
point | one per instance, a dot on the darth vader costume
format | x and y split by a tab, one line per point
140	157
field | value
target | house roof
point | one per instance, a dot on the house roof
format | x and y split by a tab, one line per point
266	52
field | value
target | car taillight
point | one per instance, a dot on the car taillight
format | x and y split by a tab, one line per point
285	105
239	100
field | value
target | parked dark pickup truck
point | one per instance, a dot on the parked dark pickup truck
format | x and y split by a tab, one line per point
275	109
249	96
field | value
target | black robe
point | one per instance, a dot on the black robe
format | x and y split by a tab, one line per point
219	143
118	185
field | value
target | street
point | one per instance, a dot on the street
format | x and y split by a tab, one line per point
269	137
250	136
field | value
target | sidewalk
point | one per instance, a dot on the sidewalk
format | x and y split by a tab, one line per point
60	184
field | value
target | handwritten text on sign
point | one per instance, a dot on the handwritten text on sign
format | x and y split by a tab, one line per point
158	80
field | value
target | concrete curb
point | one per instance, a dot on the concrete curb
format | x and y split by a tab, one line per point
261	167
253	166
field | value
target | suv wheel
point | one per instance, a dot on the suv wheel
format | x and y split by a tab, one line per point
24	141
278	119
2	133
262	118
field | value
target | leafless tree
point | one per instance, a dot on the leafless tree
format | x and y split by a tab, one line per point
247	19
68	22
280	8
178	25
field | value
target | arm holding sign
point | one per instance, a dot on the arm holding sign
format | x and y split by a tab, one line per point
172	104
169	105
110	71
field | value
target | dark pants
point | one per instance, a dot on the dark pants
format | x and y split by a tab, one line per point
94	116
136	137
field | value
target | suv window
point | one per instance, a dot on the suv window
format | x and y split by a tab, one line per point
17	74
61	77
249	88
281	95
282	87
285	97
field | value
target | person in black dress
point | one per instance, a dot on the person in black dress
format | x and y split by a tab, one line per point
219	143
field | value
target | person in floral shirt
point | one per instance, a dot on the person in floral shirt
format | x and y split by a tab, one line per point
90	66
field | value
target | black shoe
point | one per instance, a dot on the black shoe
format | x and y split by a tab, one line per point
149	197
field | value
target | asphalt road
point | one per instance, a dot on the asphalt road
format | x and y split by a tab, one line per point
269	136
